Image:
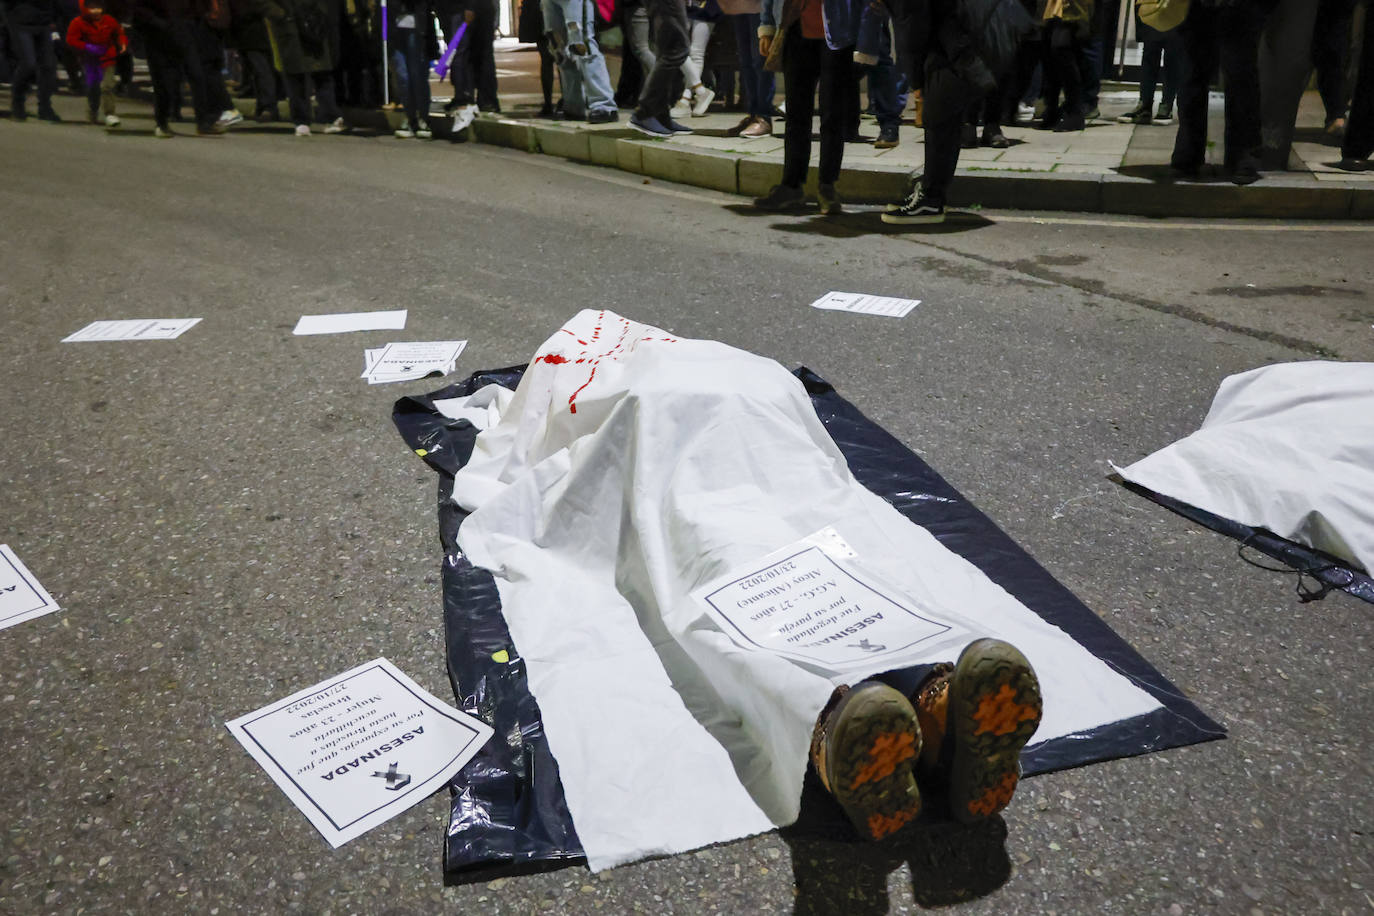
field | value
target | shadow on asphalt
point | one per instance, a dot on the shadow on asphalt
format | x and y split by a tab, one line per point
854	223
1157	172
836	872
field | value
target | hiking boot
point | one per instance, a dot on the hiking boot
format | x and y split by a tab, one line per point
975	717
864	749
781	197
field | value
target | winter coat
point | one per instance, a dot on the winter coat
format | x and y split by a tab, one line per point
104	34
928	34
33	14
304	34
842	19
248	27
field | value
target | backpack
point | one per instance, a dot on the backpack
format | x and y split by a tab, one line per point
996	28
1162	15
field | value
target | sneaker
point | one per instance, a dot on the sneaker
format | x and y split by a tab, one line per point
1135	114
1093	114
265	117
739	128
975	717
404	131
1164	114
917	211
887	138
677	127
829	200
1245	173
162	133
302	130
603	116
910	200
422	130
864	749
682	108
759	127
229	118
1024	113
781	197
463	117
649	125
1071	123
336	126
112	121
701	101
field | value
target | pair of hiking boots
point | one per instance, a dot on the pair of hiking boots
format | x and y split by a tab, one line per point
962	732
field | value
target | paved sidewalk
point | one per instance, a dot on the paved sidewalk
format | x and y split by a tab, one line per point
1110	167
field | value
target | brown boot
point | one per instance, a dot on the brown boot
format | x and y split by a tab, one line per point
864	749
976	716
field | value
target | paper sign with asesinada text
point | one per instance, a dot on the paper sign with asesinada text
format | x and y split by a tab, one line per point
814	602
358	749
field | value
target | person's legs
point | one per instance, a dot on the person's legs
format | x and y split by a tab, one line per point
484	58
298	93
182	34
888	104
91	76
669	21
1239	28
264	82
211	56
545	73
555	23
162	72
461	71
1330	47
637	36
1175	66
801	71
1064	48
839	97
1199	39
327	105
699	33
23	44
946	101
108	79
1359	134
1151	56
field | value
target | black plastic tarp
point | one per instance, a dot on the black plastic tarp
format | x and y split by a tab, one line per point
508	811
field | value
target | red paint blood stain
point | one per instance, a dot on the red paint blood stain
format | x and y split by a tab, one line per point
553	359
586	358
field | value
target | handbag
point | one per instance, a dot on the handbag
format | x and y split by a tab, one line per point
1162	15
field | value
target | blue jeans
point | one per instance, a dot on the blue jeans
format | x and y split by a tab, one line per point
36	60
886	97
757	83
412	72
586	83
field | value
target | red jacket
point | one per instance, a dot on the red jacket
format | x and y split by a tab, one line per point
105	33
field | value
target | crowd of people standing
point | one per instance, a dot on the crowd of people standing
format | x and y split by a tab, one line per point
1034	61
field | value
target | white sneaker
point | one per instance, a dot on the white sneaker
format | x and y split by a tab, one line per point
162	133
1024	112
463	117
302	130
404	132
337	126
422	130
229	118
682	109
701	101
111	122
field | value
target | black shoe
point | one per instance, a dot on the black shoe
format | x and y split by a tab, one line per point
781	197
1165	113
1070	124
50	116
968	139
490	109
1050	119
1093	114
649	125
603	116
1140	114
545	111
18	114
996	140
1245	174
1352	164
887	138
1184	172
917	209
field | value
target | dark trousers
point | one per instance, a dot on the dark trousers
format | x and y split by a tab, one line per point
34	60
947	100
1330	48
264	81
1227	36
668	19
1359	130
408	48
809	64
210	45
1159	47
298	91
172	53
1062	70
757	84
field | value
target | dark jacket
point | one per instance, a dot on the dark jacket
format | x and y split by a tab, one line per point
34	14
248	26
304	34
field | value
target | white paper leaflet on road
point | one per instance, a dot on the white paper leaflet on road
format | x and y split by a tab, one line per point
344	322
133	329
864	304
815	603
633	469
358	749
21	596
405	362
1288	448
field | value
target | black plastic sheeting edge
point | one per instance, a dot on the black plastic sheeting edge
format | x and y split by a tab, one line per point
508	812
1332	572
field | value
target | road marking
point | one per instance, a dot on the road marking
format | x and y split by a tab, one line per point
1152	223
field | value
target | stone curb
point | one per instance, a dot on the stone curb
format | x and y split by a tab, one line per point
1274	197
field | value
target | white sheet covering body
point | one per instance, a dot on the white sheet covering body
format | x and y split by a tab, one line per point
1288	448
631	468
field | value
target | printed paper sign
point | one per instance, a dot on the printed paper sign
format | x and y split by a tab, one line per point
21	597
866	305
357	750
403	362
813	602
344	322
133	329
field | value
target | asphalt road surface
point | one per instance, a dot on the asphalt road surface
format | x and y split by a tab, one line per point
230	517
